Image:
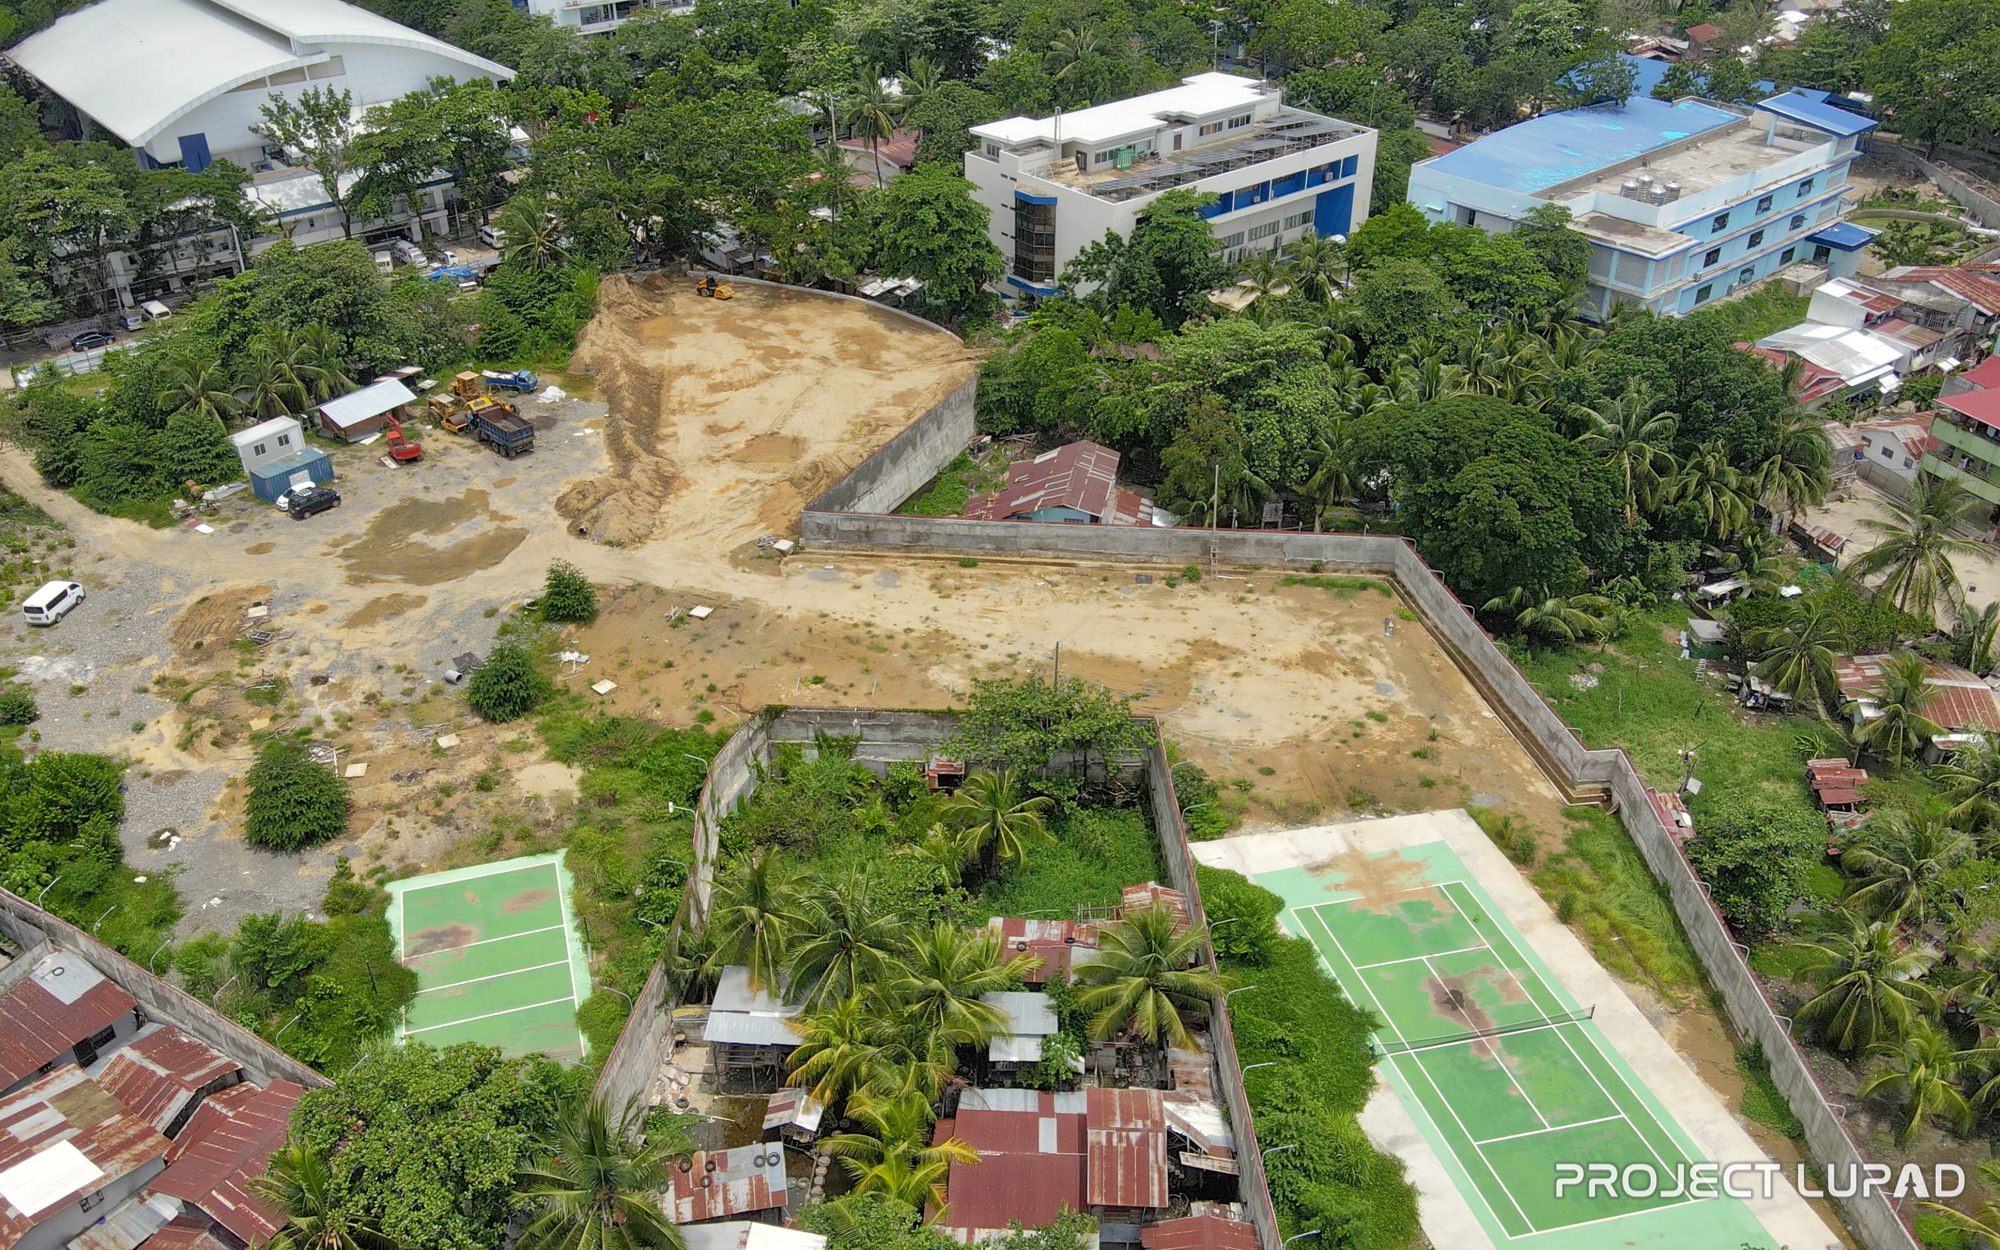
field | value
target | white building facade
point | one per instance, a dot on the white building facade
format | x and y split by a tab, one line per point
595	17
1053	186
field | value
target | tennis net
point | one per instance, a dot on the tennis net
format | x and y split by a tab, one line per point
1405	1045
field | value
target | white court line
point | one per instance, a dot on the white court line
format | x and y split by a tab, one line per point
1554	1128
1463	950
498	871
1606	1219
1521	1088
431	989
483	941
488	1016
1438	1090
576	999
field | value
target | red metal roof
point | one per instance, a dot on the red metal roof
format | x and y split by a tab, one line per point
1706	32
158	1073
183	1234
1043	1128
1147	893
1815	382
1082	475
1981	406
712	1184
65	1106
1127	1148
1052	942
1199	1232
224	1147
1985	375
1958	700
898	151
1978	285
1000	1188
61	1001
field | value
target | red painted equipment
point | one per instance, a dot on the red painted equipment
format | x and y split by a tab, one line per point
401	449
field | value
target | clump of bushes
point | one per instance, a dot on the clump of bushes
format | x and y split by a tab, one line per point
508	686
17	707
568	596
294	803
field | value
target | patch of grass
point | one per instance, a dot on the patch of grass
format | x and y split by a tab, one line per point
1338	584
1766	310
1762	1103
954	487
1097	853
1601	886
1780	961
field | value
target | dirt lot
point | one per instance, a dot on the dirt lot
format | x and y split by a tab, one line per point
1846	509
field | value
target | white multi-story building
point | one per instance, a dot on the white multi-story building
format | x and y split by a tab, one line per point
1055	185
595	17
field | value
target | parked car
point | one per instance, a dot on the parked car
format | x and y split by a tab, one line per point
51	603
447	258
408	252
91	338
312	501
492	236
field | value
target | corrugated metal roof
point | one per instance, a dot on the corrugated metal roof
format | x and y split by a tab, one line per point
742	1180
1199	1232
64	1116
1032	1188
1147	893
793	1107
225	1146
131	1224
61	1001
158	1072
736	1028
1958	700
1127	1148
1977	284
1553	148
1053	943
184	1234
370	401
1981	406
1795	106
1985	375
1082	476
749	1235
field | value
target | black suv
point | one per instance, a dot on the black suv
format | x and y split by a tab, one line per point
314	500
91	338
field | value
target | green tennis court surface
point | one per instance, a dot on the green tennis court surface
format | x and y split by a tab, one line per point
1504	1074
496	957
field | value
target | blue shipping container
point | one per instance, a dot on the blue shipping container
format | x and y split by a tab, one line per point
275	478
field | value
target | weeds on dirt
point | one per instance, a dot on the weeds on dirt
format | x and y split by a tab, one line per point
1762	1103
1338	584
954	487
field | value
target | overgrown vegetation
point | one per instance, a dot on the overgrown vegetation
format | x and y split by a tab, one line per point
294	802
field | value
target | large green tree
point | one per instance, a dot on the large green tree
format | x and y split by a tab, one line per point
928	226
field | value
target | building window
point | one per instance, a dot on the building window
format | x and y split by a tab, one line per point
1710	257
1234	240
1886	455
1702	293
1720	223
1746	274
1805	188
91	1201
1764	204
1298	219
257	450
1238	123
1211	128
1798	221
103	1036
1264	231
1035	241
284	440
1785	257
1756	239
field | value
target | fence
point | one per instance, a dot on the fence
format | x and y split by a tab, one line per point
1579	774
1979	198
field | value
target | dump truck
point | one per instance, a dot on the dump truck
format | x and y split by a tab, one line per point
505	430
522	381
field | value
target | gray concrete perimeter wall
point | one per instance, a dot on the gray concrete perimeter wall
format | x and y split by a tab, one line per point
1980	199
1581	775
26	924
900	467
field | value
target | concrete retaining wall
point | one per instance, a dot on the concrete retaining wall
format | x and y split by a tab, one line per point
26	924
1979	198
900	467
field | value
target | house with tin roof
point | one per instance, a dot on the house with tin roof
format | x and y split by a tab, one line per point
1075	483
69	1153
57	1008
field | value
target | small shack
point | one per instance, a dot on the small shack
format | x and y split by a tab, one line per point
1031	1020
366	411
276	459
749	1032
1836	784
717	1184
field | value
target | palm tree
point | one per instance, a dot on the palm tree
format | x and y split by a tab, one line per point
595	1184
1001	821
1924	1071
324	362
892	1153
272	373
920	81
1146	980
529	236
198	386
844	942
872	111
1799	657
1870	984
943	853
1899	728
843	1047
1897	861
1319	263
1068	50
945	972
1426	380
1970	777
1574	618
1332	481
1798	471
1985	1224
300	1185
1715	488
1918	544
756	916
1635	439
1975	640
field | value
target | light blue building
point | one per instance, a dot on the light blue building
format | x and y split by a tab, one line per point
1683	202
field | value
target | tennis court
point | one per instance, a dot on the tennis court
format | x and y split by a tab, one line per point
496	955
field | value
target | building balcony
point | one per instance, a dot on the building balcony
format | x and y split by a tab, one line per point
1979	477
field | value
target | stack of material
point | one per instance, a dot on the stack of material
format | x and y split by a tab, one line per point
1836	783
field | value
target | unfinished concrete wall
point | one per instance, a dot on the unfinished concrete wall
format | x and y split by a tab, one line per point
901	467
26	924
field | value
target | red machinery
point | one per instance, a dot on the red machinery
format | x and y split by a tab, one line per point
402	450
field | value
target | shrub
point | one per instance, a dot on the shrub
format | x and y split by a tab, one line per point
507	686
293	802
17	707
567	595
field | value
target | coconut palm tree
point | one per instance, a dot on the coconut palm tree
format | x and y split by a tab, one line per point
1799	656
323	363
300	1186
1899	729
1635	439
1870	981
945	971
1319	267
872	109
529	237
1425	380
1970	777
1976	640
920	81
1332	456
892	1152
1558	618
595	1184
274	373
1715	488
1984	1223
944	854
756	916
1002	820
1071	46
1797	472
843	1047
1897	861
198	386
1924	1071
1917	545
844	942
1147	979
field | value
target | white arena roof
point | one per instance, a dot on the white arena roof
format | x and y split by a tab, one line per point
135	66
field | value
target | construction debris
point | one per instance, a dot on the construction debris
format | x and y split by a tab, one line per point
604	687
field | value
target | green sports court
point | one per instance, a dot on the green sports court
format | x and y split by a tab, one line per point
497	957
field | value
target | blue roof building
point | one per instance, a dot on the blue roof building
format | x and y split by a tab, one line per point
1683	201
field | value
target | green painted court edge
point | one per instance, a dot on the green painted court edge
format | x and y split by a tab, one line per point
1711	1224
579	962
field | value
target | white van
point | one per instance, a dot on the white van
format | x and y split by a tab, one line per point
51	603
407	252
492	236
155	310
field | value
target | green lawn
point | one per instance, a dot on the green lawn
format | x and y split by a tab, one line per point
1766	310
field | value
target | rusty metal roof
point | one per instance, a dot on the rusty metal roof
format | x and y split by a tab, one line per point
1127	1148
1958	700
1147	893
61	1001
61	1137
160	1071
712	1184
1081	476
184	1234
1032	1188
1054	943
223	1148
1199	1232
